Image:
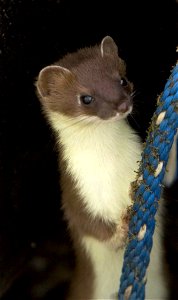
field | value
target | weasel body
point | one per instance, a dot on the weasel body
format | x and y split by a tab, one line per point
86	98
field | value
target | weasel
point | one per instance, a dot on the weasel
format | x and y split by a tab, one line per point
86	98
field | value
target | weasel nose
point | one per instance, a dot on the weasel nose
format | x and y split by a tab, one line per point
124	106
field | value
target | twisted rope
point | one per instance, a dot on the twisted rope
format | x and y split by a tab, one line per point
147	191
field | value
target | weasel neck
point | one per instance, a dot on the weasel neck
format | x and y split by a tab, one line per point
102	159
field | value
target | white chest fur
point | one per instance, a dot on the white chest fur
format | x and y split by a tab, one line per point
102	157
107	265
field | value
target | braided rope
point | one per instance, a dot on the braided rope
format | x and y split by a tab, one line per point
147	191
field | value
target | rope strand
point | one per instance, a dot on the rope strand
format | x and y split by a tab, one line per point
147	191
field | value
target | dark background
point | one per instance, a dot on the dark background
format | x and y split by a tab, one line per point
36	256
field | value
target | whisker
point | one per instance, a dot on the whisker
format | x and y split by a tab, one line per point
135	93
131	115
82	119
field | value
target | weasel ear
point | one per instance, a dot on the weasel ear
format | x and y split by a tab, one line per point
50	79
108	47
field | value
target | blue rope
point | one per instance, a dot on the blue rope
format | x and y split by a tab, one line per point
177	161
147	191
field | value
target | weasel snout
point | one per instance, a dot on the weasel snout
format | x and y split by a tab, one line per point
125	106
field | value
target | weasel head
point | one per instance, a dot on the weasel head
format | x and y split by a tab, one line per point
88	83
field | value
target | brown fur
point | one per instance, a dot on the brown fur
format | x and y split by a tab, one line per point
85	72
83	276
81	223
76	214
97	72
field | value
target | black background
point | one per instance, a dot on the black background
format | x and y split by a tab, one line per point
35	250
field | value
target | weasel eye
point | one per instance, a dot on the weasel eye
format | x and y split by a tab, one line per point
86	99
123	81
